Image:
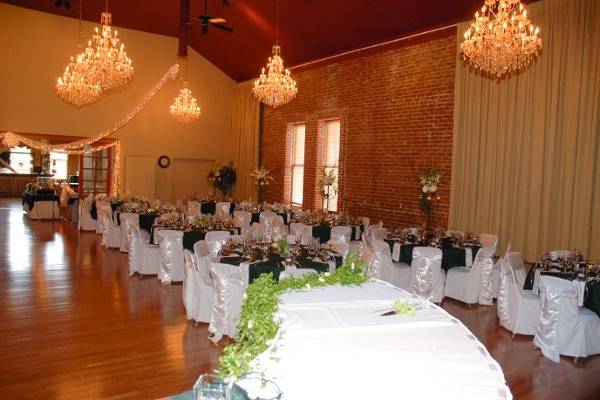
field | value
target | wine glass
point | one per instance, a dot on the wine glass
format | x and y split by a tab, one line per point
209	386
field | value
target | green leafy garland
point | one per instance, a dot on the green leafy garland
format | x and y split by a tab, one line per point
256	326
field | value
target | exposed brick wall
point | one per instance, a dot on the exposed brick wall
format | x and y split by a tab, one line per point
396	112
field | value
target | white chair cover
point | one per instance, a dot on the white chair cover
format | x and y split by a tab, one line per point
193	208
565	328
229	289
296	273
515	260
340	239
398	274
472	285
170	244
85	221
135	251
222	210
205	285
111	234
149	263
242	218
215	240
518	310
197	294
378	233
265	215
128	221
255	231
100	203
302	232
427	275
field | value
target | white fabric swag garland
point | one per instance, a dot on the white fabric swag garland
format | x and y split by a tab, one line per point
81	146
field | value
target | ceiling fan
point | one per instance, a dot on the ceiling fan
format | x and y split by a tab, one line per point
206	20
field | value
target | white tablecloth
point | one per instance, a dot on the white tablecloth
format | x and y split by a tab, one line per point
334	344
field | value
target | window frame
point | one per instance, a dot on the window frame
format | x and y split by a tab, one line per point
333	205
293	165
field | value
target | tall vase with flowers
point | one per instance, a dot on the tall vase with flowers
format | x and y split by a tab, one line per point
262	176
430	180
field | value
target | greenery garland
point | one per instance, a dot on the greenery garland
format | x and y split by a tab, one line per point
256	324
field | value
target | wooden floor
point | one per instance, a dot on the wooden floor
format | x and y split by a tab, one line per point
74	325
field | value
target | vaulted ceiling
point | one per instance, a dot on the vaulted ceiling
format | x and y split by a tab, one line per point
308	29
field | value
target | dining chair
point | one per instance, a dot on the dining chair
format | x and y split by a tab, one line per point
228	286
426	274
215	240
518	310
128	221
398	274
565	327
170	244
473	284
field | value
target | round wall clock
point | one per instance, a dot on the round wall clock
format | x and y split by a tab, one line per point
164	161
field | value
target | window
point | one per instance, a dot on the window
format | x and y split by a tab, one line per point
58	164
297	164
96	172
21	159
331	162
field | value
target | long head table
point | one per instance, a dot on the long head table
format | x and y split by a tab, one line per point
334	344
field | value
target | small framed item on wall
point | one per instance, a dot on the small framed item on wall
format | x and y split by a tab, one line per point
164	161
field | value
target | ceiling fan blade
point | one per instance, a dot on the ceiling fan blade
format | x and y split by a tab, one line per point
217	20
223	27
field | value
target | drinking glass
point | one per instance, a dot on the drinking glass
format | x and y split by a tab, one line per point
209	386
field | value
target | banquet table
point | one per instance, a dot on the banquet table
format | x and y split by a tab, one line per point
451	256
333	343
191	237
30	198
274	265
591	295
94	210
286	217
323	232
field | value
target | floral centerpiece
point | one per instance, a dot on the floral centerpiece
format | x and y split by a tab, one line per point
327	183
257	325
429	185
225	178
262	176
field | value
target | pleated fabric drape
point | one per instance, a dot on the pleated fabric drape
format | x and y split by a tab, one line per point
245	125
526	162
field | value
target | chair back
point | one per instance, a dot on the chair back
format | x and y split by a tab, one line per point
189	260
517	264
203	258
265	215
242	218
302	232
341	233
382	258
193	208
378	233
558	306
222	209
489	240
224	278
483	267
215	240
426	263
507	289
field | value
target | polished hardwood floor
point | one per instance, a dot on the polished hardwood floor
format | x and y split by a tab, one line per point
74	325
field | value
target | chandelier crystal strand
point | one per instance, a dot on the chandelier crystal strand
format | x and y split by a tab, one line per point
501	41
77	85
113	67
275	85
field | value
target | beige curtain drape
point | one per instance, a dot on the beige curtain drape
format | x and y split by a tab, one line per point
526	155
245	124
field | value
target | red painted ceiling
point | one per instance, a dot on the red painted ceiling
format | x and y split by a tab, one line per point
308	29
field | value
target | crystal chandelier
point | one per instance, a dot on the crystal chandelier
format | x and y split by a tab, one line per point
77	85
112	65
185	108
275	86
501	41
